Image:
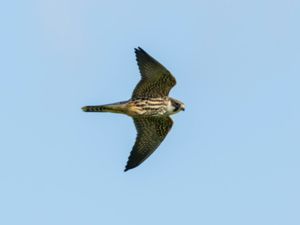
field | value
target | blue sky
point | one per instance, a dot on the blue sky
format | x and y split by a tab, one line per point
231	158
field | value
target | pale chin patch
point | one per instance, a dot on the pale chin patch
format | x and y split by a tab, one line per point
170	108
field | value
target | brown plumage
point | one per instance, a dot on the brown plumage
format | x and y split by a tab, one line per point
150	107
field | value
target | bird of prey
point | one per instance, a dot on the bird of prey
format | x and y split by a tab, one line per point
149	106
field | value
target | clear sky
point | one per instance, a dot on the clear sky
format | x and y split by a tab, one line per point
231	158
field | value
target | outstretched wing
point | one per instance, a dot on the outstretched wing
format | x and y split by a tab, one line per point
156	80
151	131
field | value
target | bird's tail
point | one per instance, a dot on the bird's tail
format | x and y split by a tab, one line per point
94	108
114	108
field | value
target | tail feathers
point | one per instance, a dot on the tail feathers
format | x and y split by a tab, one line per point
98	108
114	108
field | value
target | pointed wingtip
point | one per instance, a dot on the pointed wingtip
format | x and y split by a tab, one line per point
139	49
84	108
129	167
126	169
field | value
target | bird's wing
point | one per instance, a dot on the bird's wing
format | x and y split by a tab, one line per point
156	80
151	131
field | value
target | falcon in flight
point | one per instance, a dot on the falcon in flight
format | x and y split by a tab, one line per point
149	106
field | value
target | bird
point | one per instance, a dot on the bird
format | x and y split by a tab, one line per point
149	106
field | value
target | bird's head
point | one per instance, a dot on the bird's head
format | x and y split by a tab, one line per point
177	105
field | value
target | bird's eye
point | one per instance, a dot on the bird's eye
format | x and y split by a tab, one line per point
176	106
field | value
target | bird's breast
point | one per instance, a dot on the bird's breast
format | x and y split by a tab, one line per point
148	107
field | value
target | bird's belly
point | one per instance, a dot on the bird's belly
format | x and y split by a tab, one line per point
147	111
147	108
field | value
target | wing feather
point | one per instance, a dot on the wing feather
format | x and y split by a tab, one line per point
151	131
156	80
